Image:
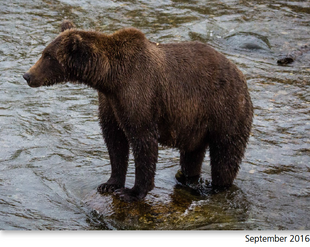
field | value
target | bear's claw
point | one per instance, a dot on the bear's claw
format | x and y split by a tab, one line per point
128	195
187	181
108	188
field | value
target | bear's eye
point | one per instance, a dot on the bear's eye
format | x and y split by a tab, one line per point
47	56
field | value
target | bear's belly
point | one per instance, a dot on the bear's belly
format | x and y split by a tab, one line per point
168	138
182	138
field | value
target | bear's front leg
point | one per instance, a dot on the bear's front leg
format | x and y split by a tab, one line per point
117	145
145	151
118	148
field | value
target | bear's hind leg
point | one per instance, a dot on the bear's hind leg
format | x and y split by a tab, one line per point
191	162
226	155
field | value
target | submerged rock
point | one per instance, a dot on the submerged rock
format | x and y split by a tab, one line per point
248	41
180	210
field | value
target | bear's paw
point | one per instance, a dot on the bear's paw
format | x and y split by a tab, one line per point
108	188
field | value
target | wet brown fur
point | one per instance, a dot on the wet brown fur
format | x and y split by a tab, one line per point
182	95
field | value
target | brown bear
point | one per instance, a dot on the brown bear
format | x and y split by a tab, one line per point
182	95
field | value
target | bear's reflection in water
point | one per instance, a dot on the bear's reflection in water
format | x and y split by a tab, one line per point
186	208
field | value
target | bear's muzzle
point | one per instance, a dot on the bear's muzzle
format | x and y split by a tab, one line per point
27	76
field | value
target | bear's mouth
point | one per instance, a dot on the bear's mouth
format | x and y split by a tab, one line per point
46	82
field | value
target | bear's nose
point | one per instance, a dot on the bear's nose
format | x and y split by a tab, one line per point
27	77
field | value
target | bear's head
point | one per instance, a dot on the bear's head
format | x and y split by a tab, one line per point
72	56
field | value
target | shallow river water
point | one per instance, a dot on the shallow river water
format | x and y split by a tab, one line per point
52	155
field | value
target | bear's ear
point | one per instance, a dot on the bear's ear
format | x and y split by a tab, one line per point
66	24
74	52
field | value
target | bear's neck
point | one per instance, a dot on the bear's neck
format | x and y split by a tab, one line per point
111	59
